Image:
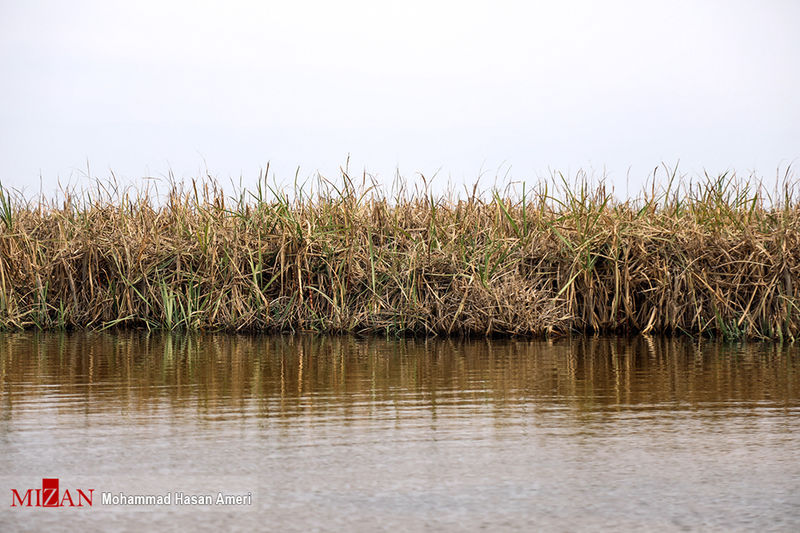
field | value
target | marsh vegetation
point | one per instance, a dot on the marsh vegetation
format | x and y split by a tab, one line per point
716	256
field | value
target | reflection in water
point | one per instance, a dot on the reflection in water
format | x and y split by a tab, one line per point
575	433
218	372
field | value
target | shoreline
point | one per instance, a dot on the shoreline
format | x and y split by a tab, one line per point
714	259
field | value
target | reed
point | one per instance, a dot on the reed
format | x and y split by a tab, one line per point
717	256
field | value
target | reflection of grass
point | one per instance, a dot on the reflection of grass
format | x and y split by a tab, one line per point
210	371
719	257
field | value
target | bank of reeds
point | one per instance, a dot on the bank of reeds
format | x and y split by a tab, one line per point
718	257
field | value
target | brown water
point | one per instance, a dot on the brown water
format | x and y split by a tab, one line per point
341	434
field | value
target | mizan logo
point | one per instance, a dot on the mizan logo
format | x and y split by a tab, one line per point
49	496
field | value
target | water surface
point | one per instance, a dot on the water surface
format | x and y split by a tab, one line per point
338	433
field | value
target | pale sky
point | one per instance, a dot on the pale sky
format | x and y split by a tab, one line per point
462	88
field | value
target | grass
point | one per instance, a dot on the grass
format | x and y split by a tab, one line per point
717	256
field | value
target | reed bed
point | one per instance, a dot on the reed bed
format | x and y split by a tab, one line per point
716	257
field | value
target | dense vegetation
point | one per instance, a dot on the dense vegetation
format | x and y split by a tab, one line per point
717	257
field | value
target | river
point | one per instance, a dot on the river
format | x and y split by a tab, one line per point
325	433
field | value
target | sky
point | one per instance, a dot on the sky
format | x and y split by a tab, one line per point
453	91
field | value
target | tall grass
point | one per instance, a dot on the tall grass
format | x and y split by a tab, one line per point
717	256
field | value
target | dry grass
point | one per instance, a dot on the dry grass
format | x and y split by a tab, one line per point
720	257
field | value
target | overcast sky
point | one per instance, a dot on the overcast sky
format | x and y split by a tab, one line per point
144	87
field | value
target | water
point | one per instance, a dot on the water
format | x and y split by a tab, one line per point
337	433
